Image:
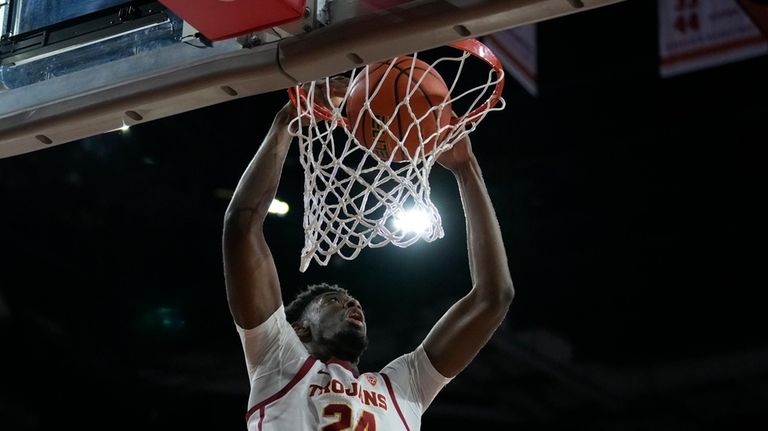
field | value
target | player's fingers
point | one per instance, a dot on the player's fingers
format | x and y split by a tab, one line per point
339	85
340	80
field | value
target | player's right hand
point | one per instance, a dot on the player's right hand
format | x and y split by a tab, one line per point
333	93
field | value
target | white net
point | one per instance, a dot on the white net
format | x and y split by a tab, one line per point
366	170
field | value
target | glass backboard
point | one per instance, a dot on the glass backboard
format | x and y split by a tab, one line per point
102	64
31	15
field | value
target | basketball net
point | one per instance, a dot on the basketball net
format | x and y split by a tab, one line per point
356	197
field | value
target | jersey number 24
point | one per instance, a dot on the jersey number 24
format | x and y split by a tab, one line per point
343	414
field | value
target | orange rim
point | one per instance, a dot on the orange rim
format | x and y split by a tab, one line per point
472	46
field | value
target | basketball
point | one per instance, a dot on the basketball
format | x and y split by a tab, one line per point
426	90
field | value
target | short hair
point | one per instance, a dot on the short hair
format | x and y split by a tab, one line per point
295	309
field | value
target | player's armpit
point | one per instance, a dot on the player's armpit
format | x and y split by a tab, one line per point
463	330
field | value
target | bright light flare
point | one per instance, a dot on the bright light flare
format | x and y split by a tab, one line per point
413	220
278	207
122	129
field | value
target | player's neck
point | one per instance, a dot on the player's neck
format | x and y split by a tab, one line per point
328	354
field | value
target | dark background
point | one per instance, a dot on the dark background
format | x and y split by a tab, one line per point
630	208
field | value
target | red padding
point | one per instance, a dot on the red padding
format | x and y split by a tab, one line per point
224	19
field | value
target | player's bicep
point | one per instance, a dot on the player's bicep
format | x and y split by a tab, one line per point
462	331
253	288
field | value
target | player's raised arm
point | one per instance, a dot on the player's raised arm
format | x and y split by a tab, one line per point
469	324
253	289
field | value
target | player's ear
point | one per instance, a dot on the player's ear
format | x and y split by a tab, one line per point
302	330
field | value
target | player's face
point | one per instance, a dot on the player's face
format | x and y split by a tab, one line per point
338	312
336	325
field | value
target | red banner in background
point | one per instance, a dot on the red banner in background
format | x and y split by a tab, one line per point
698	34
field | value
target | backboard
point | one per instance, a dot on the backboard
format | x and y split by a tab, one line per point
85	67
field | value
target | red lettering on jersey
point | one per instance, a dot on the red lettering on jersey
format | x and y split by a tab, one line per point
337	387
353	392
369	398
382	401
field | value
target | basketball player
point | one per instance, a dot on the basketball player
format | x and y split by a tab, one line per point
302	359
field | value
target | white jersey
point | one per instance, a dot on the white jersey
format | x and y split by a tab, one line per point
293	391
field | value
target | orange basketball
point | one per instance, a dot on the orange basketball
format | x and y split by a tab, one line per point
396	83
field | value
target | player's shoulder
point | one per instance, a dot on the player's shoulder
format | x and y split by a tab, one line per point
402	362
276	320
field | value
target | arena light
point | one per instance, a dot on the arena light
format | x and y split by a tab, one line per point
413	220
122	129
278	207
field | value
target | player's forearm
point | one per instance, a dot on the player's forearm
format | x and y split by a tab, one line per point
253	288
488	258
468	325
258	184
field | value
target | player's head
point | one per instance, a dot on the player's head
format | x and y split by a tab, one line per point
329	321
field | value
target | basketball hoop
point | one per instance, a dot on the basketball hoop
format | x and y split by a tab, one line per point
355	195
